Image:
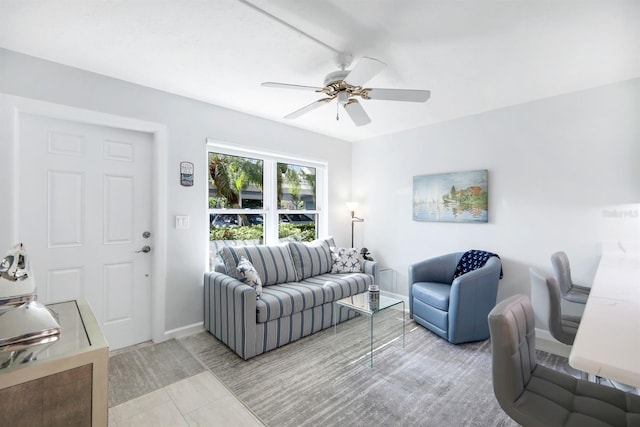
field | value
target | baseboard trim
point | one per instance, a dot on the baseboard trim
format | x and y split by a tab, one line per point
183	331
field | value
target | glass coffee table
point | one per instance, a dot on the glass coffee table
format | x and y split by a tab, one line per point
360	303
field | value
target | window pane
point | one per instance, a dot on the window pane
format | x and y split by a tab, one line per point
232	220
297	227
226	229
296	187
236	227
235	182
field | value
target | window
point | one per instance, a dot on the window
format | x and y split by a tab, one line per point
259	198
296	190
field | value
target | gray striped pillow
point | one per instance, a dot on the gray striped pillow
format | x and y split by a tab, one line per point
273	263
216	245
311	258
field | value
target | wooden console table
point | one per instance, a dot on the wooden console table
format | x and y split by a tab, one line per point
67	383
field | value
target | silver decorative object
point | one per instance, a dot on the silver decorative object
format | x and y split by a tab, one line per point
27	327
25	331
16	281
15	265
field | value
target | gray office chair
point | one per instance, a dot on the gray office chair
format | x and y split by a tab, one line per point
545	295
536	396
570	291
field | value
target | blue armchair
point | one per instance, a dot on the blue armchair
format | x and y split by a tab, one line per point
456	309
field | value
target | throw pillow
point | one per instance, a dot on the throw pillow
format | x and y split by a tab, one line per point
273	263
311	258
345	260
215	247
247	274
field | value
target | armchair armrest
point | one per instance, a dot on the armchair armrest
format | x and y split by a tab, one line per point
230	312
472	297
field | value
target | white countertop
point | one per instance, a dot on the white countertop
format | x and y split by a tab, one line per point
608	340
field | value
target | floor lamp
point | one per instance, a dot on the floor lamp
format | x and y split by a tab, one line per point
352	206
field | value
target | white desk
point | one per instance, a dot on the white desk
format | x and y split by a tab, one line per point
608	339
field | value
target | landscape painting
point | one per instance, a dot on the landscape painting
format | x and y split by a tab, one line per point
451	197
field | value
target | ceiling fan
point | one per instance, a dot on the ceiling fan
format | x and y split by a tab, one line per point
347	85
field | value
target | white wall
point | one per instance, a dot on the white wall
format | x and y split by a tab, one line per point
556	167
189	123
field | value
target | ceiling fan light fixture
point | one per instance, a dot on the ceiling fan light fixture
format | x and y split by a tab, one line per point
343	97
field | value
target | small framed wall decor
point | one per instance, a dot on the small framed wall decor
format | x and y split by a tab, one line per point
186	174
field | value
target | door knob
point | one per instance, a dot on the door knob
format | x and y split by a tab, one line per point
146	234
144	249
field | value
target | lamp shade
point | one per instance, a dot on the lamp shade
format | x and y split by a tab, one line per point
352	206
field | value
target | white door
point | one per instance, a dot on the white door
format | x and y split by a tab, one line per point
84	205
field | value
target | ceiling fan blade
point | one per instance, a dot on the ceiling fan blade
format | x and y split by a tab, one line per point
290	86
357	113
409	95
307	108
364	71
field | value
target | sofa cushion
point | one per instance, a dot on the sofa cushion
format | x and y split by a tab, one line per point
311	258
273	263
289	298
248	274
338	286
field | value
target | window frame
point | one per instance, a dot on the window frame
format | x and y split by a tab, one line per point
270	208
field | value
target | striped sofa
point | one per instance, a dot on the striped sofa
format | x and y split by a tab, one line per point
297	298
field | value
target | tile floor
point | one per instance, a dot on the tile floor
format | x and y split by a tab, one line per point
200	400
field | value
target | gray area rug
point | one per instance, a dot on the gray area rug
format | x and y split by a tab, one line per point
147	368
323	380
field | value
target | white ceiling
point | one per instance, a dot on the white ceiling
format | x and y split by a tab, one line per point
474	55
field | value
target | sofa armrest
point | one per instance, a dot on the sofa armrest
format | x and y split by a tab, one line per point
472	297
370	267
230	312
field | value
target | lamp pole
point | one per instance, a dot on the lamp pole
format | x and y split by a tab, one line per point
352	222
354	219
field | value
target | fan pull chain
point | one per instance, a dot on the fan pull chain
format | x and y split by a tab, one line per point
337	111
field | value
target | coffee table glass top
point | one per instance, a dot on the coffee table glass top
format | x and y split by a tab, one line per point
360	303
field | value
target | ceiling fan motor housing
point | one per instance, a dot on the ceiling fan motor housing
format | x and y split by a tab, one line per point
335	76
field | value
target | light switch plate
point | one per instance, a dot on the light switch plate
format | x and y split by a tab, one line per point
182	222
